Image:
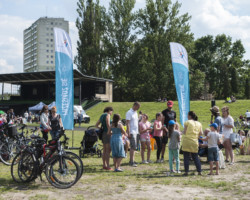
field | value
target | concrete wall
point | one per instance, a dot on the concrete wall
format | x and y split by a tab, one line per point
108	96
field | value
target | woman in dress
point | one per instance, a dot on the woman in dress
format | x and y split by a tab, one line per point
117	147
105	123
55	122
192	131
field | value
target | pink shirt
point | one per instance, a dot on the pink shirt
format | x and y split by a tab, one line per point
158	133
144	126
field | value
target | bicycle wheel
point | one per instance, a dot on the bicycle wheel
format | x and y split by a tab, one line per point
14	168
7	153
25	166
62	172
78	160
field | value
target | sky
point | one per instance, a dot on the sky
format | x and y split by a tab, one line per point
231	17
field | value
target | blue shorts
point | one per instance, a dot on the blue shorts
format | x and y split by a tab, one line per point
213	154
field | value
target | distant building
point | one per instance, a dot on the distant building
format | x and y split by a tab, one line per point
39	47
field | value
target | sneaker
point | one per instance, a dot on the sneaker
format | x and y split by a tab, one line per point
150	161
178	172
144	162
172	171
136	163
158	161
227	161
162	160
133	164
231	163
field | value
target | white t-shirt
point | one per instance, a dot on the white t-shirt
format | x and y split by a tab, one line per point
227	131
132	116
213	138
248	114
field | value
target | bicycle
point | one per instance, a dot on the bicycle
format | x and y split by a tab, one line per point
39	157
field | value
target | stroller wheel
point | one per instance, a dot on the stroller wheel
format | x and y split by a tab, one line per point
99	153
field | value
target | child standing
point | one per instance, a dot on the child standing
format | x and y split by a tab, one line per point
116	143
173	146
213	139
158	134
145	128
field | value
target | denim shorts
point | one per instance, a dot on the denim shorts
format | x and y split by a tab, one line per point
213	154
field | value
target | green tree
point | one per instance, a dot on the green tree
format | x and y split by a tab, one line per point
90	59
197	79
160	24
119	41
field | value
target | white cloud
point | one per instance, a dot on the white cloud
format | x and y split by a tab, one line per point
219	16
11	42
5	68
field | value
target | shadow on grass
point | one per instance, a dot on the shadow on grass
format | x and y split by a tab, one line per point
243	161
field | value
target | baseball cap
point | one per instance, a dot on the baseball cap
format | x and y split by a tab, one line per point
170	103
215	125
171	122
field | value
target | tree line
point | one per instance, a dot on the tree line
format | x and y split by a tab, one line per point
132	48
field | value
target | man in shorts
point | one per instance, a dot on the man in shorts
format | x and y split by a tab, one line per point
168	114
133	130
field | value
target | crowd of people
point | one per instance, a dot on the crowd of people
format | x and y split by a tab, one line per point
116	138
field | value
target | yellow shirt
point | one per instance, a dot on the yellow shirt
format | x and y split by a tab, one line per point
190	139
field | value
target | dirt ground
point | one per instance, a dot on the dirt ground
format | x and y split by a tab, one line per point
232	183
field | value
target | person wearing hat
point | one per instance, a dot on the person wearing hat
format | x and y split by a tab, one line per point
2	119
168	114
213	139
215	110
227	124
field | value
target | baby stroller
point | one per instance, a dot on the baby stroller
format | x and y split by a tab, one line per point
89	144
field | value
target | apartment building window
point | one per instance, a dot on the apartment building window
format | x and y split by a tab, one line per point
60	24
47	56
47	34
51	62
47	51
51	23
47	39
51	51
51	40
52	34
47	28
51	45
47	62
47	45
55	23
52	56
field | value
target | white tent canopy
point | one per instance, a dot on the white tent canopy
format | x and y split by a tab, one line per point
50	106
37	107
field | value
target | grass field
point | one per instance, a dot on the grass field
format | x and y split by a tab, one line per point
145	182
201	108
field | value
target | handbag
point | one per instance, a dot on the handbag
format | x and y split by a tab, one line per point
235	138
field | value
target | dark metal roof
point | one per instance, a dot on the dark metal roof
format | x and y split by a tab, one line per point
29	77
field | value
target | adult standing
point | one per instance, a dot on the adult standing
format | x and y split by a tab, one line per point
168	114
44	119
133	130
215	111
192	131
227	130
10	116
105	123
55	122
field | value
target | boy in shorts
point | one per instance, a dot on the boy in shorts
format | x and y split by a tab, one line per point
213	139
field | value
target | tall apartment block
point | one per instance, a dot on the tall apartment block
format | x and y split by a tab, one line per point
39	47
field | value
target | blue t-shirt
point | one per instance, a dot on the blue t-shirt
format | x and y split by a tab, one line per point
218	121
